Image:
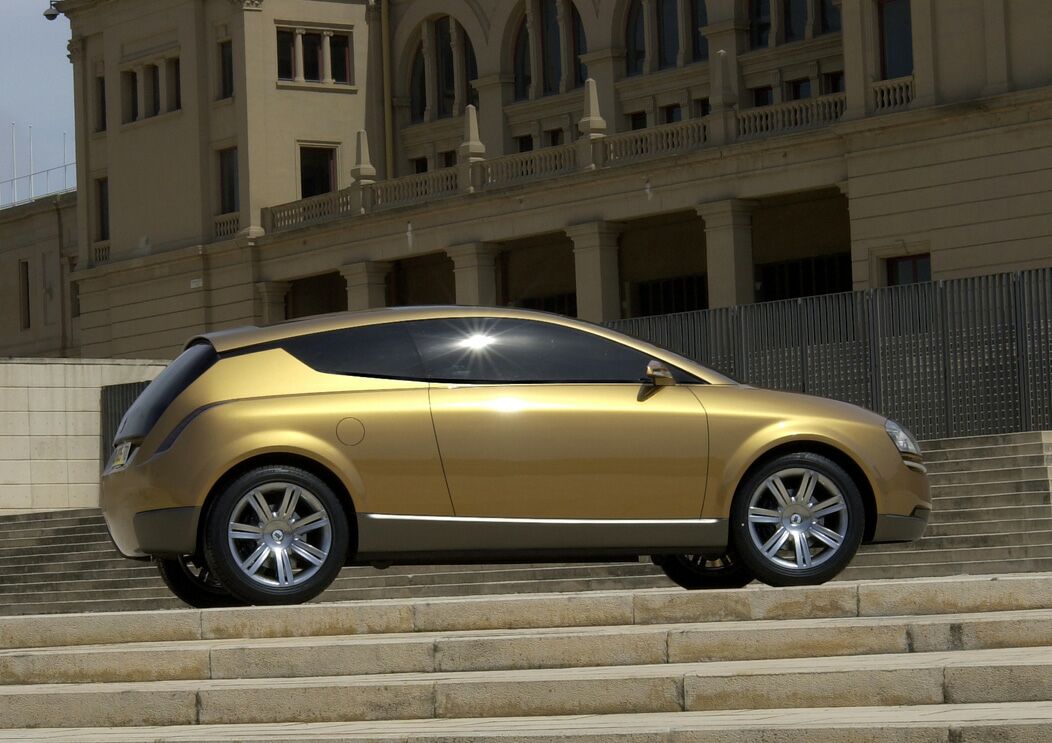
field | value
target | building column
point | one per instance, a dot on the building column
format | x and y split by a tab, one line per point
460	74
249	36
366	284
859	33
727	34
533	32
494	92
922	20
606	67
650	36
685	55
566	56
728	245
427	48
997	78
298	51
326	57
475	273
271	296
595	248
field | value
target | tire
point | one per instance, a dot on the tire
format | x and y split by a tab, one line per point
272	557
696	572
768	522
191	580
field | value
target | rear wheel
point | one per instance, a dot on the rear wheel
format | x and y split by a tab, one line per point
798	520
277	535
695	572
193	582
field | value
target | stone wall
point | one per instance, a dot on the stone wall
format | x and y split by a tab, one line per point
49	429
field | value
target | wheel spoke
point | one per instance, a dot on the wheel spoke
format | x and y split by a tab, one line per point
777	488
826	535
828	507
807	486
288	503
803	551
308	552
256	559
245	531
284	566
260	506
759	515
309	523
772	545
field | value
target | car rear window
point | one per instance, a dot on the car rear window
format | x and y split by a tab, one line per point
384	351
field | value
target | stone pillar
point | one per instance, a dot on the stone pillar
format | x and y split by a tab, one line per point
566	56
923	23
427	47
595	263
727	34
83	85
650	36
997	78
728	245
366	284
271	295
533	29
460	74
470	153
592	126
606	67
475	273
494	92
298	47
363	173
326	57
252	74
859	33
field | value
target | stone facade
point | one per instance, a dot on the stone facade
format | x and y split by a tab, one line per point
769	155
49	430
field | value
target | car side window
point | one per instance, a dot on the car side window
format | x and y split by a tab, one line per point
384	350
496	350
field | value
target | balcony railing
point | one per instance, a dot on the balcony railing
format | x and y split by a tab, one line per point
524	166
892	95
669	139
226	225
100	253
306	211
784	117
414	188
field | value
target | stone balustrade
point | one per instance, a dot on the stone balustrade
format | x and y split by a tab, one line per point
657	141
413	189
546	162
226	225
791	115
892	95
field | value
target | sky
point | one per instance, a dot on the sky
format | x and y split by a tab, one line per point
36	88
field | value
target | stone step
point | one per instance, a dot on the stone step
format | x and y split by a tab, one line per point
1010	722
1000	675
18	520
993	476
872	556
980	452
1039	485
945	569
937	470
90	544
1000	439
965	541
941	515
997	526
44	532
959	499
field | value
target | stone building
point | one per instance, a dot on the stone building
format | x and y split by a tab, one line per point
248	161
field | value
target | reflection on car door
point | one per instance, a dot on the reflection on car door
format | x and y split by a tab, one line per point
537	420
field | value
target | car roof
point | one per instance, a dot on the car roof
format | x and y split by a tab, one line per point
243	337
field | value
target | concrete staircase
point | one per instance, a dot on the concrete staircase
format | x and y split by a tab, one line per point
953	660
993	514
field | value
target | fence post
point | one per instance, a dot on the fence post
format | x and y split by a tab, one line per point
872	323
942	310
1021	344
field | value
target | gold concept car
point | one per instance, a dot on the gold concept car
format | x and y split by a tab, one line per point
263	460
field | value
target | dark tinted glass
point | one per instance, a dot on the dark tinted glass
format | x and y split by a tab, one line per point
446	76
699	19
418	88
794	14
490	350
668	33
551	55
371	351
159	394
341	58
635	40
286	55
523	73
896	48
312	57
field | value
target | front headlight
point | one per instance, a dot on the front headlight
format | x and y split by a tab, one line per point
902	438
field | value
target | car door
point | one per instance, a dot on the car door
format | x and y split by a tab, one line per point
540	420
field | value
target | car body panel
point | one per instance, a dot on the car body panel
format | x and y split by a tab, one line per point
572	450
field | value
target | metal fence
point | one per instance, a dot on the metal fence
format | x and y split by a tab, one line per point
963	357
114	403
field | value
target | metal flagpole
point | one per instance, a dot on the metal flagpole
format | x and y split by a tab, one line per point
14	166
31	161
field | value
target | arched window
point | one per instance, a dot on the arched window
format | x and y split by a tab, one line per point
551	48
447	88
668	33
699	18
418	87
635	39
580	47
523	78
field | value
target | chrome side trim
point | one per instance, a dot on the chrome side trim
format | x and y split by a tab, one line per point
915	466
510	520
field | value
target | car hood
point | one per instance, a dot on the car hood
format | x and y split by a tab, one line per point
796	404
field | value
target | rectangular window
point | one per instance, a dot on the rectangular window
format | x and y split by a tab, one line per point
317	171
340	48
286	55
762	96
226	69
175	84
100	104
760	23
833	82
129	96
23	293
830	19
448	158
671	114
637	120
229	191
794	19
909	269
312	57
701	107
102	209
896	39
524	143
798	90
553	137
419	164
153	90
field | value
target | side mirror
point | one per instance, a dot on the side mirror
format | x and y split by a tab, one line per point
659	374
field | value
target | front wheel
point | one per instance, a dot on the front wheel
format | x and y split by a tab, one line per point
193	582
276	535
695	572
798	520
